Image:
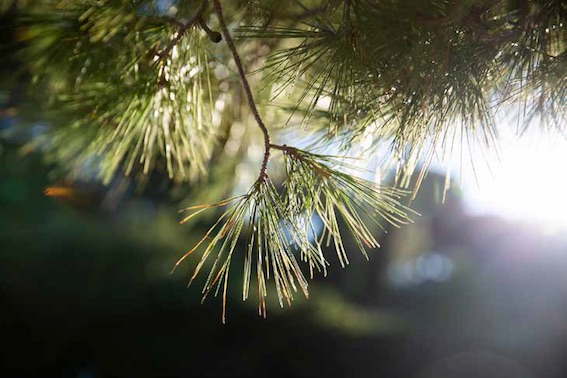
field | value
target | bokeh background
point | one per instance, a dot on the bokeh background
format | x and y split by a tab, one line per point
470	290
87	293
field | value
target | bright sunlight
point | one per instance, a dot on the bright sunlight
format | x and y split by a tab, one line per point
527	181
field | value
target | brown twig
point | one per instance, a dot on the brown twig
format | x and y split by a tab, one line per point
283	148
247	90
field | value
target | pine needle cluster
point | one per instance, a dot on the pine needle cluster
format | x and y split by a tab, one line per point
420	76
141	88
280	226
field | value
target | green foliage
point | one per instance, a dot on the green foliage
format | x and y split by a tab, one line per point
279	225
133	86
137	103
421	73
319	185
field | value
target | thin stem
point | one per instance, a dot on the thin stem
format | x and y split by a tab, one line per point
284	148
346	16
250	98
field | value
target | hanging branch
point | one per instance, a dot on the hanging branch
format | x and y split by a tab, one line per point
279	225
249	97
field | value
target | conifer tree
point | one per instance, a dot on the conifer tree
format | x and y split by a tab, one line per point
130	86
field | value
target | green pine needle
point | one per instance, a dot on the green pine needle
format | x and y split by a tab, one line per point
279	228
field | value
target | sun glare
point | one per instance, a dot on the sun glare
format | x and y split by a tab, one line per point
528	183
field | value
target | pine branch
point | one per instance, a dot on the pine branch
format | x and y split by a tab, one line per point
247	90
278	226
